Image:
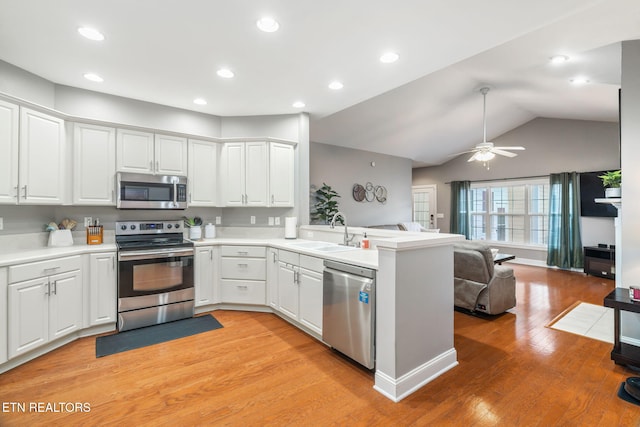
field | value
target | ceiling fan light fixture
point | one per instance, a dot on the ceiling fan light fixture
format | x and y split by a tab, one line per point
484	156
559	59
268	24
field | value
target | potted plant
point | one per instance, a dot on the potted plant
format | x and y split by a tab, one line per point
195	227
326	206
612	180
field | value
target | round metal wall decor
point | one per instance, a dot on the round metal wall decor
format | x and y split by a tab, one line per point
358	192
369	192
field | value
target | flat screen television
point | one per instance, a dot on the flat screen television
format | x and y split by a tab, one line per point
590	189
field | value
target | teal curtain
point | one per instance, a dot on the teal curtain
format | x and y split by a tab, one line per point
565	243
460	206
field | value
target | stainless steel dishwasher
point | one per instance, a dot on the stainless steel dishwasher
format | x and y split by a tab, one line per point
348	310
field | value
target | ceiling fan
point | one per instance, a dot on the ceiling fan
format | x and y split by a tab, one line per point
486	151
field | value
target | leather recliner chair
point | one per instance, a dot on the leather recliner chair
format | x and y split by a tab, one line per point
479	285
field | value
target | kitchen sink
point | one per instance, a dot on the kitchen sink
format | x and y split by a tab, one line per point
311	245
322	246
335	248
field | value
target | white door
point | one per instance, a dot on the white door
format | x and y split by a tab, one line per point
310	285
9	119
65	304
94	166
256	174
204	281
103	291
281	174
233	173
287	290
28	309
203	173
42	158
424	199
170	155
134	151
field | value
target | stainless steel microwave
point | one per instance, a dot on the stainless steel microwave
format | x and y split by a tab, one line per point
141	191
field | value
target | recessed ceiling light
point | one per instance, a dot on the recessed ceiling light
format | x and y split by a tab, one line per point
268	24
93	77
91	33
559	59
200	101
579	81
225	73
335	85
299	104
389	57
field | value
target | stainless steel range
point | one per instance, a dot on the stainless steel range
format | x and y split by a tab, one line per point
155	273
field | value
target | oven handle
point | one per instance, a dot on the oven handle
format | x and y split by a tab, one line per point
154	254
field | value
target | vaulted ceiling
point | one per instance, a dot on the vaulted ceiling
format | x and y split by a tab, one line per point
426	106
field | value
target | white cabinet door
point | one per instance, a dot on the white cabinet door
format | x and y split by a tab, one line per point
272	278
310	286
28	309
204	275
4	291
42	158
94	166
203	173
170	155
134	151
281	174
9	119
103	291
288	290
233	173
256	169
65	304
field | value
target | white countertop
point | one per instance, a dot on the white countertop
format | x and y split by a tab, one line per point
38	254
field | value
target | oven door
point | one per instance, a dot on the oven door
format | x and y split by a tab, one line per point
153	272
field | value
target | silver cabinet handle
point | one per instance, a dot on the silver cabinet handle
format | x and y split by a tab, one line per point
157	165
211	254
24	188
243	265
243	287
50	270
272	199
113	262
55	287
113	195
151	166
275	259
243	253
190	198
48	291
16	190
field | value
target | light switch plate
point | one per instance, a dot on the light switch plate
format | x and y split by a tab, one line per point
277	220
253	219
218	220
270	220
1	223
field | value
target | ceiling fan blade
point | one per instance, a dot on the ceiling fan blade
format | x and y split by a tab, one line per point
462	152
472	158
509	148
503	153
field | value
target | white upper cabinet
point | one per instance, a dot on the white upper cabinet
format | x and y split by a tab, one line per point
244	173
170	155
281	174
94	166
135	151
144	152
9	119
203	173
42	158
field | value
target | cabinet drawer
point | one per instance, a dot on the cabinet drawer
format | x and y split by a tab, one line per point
244	251
289	257
312	263
33	270
243	268
243	292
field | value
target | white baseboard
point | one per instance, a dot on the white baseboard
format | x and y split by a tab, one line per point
397	389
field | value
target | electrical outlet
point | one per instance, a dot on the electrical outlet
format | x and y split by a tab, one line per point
277	220
218	220
253	219
88	221
1	223
270	220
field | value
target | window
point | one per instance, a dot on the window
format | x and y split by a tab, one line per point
424	205
510	211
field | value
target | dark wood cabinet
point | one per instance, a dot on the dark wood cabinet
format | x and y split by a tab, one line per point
622	353
600	262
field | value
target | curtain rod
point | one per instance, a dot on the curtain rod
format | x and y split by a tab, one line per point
507	179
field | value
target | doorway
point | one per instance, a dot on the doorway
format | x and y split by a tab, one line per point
424	198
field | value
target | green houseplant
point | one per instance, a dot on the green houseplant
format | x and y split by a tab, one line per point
612	180
326	205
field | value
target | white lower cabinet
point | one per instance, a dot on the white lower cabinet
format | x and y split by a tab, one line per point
272	277
3	318
243	275
103	291
205	275
300	289
44	308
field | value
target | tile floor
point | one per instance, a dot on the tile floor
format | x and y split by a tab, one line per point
589	320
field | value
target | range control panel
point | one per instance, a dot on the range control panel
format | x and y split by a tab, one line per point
148	227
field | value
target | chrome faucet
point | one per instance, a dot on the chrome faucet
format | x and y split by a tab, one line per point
347	239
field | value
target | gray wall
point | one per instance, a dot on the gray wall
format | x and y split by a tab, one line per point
341	168
23	84
552	145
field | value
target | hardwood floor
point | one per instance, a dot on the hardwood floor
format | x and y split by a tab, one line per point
259	370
